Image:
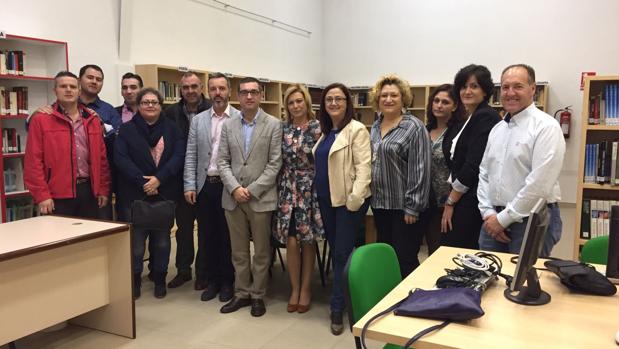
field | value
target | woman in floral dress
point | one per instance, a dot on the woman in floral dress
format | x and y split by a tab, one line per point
297	221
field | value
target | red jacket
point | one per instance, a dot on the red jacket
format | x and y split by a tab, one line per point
50	165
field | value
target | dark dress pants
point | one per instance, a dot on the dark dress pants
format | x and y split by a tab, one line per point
185	217
83	205
466	222
213	236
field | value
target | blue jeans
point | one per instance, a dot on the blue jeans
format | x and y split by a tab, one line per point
516	234
341	228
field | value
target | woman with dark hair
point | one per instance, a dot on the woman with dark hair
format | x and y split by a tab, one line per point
297	222
443	114
342	182
400	171
463	150
149	155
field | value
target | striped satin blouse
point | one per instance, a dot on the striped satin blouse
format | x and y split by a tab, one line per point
401	166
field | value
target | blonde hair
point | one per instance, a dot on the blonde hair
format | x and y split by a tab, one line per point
306	97
391	79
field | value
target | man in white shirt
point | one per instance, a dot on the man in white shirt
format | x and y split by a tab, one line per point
203	188
521	164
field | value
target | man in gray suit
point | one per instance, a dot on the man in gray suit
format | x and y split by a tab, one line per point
249	161
203	188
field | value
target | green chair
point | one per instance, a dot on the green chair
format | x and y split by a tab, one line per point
371	272
595	251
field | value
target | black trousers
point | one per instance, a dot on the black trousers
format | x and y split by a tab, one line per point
185	217
466	222
83	205
213	260
405	238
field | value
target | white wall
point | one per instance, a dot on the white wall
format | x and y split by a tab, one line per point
428	41
187	33
89	27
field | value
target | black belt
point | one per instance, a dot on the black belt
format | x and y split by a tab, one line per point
82	180
550	205
213	179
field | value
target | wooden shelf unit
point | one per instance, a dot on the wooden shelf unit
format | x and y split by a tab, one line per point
540	98
43	59
592	134
153	75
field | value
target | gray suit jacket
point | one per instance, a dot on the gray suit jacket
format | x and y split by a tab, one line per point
257	171
198	154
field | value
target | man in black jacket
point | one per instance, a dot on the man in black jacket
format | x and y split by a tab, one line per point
191	103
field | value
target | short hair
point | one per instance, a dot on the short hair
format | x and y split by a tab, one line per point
249	79
218	75
306	98
89	66
131	75
188	74
326	124
146	91
483	76
64	73
391	79
455	116
528	68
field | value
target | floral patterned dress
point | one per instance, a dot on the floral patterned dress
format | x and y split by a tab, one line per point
295	190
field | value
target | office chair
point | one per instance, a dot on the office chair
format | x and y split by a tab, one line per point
595	251
371	272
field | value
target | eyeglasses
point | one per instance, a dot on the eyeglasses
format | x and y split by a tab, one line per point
149	103
245	93
336	100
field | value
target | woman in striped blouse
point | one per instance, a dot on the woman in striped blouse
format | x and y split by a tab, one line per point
400	171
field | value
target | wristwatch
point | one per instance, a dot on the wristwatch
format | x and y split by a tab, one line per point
449	201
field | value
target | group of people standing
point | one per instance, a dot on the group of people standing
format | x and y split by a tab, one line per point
463	179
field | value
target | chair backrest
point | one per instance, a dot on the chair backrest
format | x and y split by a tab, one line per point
595	251
371	272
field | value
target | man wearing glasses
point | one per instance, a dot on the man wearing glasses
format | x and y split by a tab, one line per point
192	103
249	161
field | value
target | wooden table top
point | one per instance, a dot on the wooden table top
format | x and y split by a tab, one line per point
569	321
35	234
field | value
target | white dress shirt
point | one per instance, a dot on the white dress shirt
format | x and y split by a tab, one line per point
217	121
521	163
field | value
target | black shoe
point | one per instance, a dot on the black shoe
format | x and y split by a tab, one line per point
200	284
160	289
226	293
210	293
235	304
179	280
257	307
337	323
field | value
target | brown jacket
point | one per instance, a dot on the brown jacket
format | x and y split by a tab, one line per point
349	166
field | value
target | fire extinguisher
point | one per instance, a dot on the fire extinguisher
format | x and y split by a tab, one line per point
564	120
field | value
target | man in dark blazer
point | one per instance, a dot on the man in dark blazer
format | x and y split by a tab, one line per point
192	103
249	161
203	188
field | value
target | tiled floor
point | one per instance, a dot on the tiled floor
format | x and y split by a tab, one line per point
181	320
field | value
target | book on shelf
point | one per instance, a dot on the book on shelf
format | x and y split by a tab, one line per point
169	91
602	162
11	141
12	62
19	209
595	218
15	101
604	107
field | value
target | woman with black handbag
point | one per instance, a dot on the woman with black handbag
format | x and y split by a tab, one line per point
149	155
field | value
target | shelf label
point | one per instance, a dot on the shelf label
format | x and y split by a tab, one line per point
183	69
2	34
582	78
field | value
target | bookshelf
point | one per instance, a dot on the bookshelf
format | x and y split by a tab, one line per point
540	98
590	192
27	69
167	79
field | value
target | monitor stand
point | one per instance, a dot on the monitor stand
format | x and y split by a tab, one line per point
531	294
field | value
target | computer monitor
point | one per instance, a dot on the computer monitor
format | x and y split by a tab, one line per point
532	244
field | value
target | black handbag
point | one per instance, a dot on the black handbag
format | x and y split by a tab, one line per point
448	304
153	214
581	277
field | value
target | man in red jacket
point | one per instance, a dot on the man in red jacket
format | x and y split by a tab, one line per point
65	167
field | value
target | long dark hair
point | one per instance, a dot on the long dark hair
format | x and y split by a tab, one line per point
457	114
326	124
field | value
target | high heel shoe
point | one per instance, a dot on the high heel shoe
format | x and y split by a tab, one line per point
291	308
303	308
